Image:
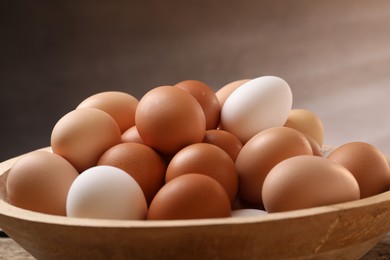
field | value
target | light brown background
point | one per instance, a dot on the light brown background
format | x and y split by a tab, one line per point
334	54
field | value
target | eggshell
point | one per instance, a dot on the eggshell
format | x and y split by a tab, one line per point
83	135
238	213
307	181
120	105
39	181
367	163
106	192
224	140
205	159
206	98
261	153
141	162
306	122
169	118
131	135
190	196
317	150
223	93
256	105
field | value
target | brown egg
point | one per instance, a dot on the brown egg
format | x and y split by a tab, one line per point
306	122
367	163
307	181
190	196
261	153
40	181
223	93
314	145
131	135
169	118
141	162
205	159
206	98
120	105
224	140
83	135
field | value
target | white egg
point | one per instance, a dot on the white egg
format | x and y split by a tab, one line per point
248	212
106	192
256	105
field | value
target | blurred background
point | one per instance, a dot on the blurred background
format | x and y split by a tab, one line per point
334	54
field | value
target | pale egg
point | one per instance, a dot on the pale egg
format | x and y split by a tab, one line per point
256	105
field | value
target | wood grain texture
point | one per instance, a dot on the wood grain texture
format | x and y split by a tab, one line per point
11	250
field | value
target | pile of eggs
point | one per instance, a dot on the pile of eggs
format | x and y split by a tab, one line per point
187	152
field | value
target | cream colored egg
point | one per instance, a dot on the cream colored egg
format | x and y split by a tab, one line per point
256	105
306	122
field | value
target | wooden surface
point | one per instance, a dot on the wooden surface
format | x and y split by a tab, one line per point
11	250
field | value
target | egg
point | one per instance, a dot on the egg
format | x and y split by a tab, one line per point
317	150
106	192
169	118
256	105
261	153
367	163
223	93
40	181
206	98
131	135
83	135
247	213
190	196
306	122
120	105
307	181
205	159
141	162
224	140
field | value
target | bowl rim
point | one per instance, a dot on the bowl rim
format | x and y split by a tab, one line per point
11	211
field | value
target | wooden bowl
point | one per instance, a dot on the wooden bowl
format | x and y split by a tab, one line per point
341	231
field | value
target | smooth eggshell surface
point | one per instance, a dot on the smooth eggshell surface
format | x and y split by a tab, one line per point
261	153
307	181
120	105
131	135
206	98
367	163
83	135
141	162
256	105
224	140
106	192
248	213
39	181
205	159
190	196
169	118
223	93
306	122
